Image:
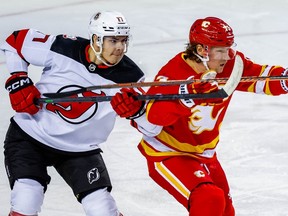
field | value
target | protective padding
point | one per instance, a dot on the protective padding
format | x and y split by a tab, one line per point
208	200
27	197
100	203
18	214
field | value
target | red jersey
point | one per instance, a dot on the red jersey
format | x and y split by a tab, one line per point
195	131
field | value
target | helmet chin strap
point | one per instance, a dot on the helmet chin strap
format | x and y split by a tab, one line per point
204	60
98	55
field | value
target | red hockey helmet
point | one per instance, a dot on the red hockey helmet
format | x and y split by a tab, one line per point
211	31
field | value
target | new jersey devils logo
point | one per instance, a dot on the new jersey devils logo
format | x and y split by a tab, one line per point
93	175
76	112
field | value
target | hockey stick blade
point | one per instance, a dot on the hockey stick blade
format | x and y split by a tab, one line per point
234	78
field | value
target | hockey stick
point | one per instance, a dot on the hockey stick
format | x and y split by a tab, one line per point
217	94
164	83
226	91
246	79
235	77
117	85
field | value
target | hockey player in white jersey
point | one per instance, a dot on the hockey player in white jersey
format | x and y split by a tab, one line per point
67	135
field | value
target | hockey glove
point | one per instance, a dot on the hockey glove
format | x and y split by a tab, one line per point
199	88
126	104
22	93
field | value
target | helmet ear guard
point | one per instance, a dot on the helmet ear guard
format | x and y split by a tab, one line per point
99	40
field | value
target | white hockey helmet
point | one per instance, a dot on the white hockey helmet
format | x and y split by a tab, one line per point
108	23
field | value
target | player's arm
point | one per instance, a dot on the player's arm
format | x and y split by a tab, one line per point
27	46
269	87
22	48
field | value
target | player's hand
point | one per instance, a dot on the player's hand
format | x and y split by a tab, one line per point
22	93
200	88
204	88
125	103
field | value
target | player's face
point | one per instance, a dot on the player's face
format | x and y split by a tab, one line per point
114	48
218	57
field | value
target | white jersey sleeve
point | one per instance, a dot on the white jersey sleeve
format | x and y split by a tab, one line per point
145	127
14	62
31	47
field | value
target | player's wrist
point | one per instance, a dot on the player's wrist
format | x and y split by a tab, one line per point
139	113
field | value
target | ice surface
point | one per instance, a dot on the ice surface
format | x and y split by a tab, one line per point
253	148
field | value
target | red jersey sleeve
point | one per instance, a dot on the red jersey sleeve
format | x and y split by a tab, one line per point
269	87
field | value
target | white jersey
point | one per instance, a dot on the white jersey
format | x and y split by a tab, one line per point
72	127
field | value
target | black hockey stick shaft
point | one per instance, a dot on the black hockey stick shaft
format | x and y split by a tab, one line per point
218	94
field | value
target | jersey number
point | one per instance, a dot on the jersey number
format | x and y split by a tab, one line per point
42	40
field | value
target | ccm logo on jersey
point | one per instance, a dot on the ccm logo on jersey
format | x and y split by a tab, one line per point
17	85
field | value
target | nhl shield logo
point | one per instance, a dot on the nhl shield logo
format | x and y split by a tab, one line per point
92	67
93	175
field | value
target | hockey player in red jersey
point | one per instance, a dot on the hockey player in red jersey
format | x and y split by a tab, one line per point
182	157
66	135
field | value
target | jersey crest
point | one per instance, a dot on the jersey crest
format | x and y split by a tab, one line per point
75	112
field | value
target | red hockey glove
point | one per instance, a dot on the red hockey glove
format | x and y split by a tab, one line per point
22	93
199	88
126	104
